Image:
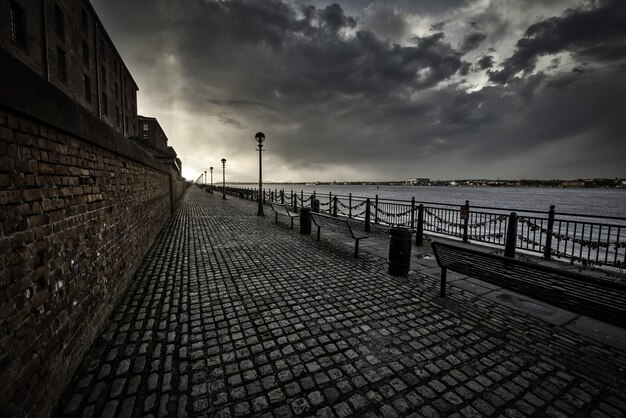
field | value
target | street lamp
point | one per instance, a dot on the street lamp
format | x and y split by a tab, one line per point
260	137
224	178
211	168
205	177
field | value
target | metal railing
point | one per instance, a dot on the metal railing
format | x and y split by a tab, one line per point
587	239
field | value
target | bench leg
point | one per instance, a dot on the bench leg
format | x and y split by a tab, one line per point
442	289
291	222
318	233
356	249
276	218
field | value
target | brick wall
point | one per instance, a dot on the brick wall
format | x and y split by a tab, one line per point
79	208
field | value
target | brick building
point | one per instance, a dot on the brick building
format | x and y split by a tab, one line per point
64	42
150	131
153	140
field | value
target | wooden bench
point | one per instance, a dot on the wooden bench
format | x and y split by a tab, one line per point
341	226
597	297
281	209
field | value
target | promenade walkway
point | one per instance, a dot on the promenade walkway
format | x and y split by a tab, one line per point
231	315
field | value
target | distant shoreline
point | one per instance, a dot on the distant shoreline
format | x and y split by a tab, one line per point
619	183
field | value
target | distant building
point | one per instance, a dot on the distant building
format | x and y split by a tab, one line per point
153	140
151	132
573	183
65	42
417	182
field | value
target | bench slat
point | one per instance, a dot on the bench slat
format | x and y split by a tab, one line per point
341	226
592	296
281	209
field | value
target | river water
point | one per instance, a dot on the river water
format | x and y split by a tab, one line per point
596	202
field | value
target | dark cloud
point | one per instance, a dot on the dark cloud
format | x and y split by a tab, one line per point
338	98
595	30
485	62
472	41
335	18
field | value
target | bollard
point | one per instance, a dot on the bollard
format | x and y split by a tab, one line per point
315	205
305	221
399	259
511	236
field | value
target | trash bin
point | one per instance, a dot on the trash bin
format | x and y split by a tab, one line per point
400	245
305	221
315	205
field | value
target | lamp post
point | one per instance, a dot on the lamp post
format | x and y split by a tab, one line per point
224	178
260	137
211	168
205	177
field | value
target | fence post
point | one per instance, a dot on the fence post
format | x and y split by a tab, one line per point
282	196
465	221
313	199
294	201
349	205
547	250
330	200
301	198
376	210
511	236
419	237
335	206
367	215
413	213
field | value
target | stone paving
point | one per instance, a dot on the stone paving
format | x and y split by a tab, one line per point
231	315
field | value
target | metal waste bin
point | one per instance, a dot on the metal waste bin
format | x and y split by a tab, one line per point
305	221
400	245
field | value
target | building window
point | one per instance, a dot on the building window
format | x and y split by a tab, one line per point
145	136
87	89
84	23
59	22
104	75
61	64
18	25
85	54
105	105
145	126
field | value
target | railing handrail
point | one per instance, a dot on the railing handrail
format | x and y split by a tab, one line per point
451	205
580	237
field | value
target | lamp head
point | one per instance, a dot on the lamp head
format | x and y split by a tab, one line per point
223	161
260	137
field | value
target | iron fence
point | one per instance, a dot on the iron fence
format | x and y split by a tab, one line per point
587	239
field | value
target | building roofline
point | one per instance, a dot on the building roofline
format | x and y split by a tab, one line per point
106	35
147	118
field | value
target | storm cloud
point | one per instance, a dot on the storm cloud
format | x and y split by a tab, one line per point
349	92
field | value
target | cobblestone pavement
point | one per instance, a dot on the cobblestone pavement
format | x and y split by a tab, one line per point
231	315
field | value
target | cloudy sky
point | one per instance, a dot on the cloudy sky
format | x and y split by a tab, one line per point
382	90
